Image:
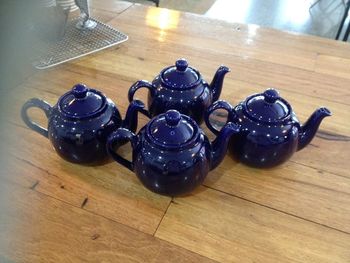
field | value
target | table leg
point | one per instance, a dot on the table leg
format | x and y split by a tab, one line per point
346	36
343	20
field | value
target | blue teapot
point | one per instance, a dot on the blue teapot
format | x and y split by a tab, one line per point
78	125
182	88
171	154
270	131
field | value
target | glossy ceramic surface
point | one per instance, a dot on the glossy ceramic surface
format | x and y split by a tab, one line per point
270	131
171	154
78	125
182	88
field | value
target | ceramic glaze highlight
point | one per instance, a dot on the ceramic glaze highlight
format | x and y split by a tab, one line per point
171	154
171	172
262	145
80	122
182	88
270	131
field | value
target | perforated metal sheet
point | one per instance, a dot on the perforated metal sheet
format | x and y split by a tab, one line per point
77	43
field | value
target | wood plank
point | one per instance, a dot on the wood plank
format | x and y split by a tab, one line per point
318	192
37	228
244	65
240	33
335	66
271	187
229	229
176	28
301	104
308	193
110	190
102	15
314	85
311	43
163	23
292	213
114	6
331	155
261	34
244	68
106	10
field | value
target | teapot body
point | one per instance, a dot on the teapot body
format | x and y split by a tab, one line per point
191	101
83	141
270	131
264	145
171	154
170	172
80	122
182	88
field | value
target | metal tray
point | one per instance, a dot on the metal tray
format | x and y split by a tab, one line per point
77	43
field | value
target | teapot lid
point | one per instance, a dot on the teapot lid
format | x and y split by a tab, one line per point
267	107
180	76
82	102
172	130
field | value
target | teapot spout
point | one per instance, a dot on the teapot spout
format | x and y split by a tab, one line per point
216	83
220	144
310	128
130	121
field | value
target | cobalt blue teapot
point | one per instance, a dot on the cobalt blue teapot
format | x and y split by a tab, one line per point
182	88
171	154
270	131
78	125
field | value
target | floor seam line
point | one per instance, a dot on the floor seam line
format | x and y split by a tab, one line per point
161	220
311	167
275	209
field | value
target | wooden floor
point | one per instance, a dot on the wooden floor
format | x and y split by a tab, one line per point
55	211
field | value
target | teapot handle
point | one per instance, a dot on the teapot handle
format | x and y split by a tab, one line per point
117	139
131	118
140	84
220	104
36	103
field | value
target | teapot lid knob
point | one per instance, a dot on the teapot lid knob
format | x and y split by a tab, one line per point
172	117
181	64
271	95
79	91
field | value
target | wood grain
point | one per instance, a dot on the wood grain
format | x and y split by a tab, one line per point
105	10
112	192
317	191
297	212
38	228
229	229
114	6
308	183
246	62
334	66
295	189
